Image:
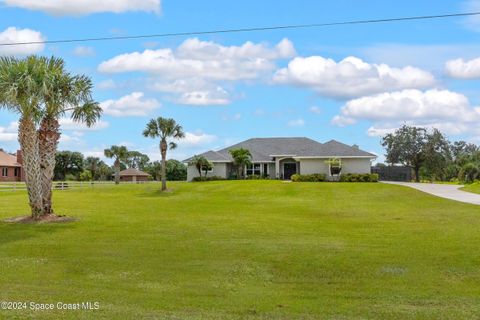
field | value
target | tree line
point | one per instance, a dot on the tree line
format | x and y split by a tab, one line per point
431	155
73	166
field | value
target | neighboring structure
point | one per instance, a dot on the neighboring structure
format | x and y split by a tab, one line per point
11	166
134	175
280	158
393	173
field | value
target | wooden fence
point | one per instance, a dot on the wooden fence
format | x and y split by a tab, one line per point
65	185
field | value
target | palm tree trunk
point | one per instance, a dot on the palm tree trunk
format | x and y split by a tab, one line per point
28	139
48	137
117	171
163	151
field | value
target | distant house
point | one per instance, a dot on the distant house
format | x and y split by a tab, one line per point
134	175
280	158
11	166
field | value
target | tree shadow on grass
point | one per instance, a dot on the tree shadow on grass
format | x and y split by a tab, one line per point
13	232
157	193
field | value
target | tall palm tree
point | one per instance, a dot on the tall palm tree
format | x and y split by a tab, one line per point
20	92
62	93
120	154
164	128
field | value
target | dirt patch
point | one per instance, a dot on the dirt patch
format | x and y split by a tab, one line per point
49	218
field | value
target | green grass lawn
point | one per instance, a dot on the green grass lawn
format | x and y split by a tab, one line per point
474	187
246	250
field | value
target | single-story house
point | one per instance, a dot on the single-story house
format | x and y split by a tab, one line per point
11	166
134	175
280	158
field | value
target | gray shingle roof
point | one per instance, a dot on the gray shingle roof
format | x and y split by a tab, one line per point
262	149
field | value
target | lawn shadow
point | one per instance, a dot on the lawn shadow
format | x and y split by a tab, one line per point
12	232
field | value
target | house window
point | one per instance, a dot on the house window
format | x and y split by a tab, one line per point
335	167
253	169
265	169
4	172
16	172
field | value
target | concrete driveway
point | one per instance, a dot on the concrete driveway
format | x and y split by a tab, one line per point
447	191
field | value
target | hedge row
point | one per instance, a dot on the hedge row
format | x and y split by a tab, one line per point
348	177
316	177
359	177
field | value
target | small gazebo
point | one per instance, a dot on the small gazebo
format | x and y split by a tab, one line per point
133	175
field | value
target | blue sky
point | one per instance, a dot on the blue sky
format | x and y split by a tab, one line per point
349	83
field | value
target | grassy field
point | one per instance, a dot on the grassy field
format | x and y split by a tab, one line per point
474	187
246	250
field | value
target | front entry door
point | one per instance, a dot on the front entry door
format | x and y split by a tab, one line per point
289	169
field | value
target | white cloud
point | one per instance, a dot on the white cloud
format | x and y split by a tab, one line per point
315	110
197	139
9	133
351	77
82	51
458	68
296	123
14	35
446	110
85	7
195	72
194	58
70	125
133	104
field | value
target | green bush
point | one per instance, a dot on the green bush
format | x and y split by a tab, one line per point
203	179
316	177
359	177
469	173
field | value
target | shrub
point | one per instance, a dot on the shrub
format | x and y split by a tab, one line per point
359	177
203	179
316	177
469	173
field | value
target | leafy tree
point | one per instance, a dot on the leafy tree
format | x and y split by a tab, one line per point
437	155
92	163
154	169
164	129
469	172
241	158
67	163
104	172
137	160
407	146
176	171
120	154
86	175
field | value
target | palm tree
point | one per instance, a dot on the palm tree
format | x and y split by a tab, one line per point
241	158
20	92
62	93
164	128
92	163
120	154
198	162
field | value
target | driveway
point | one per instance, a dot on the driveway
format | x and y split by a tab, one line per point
448	191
